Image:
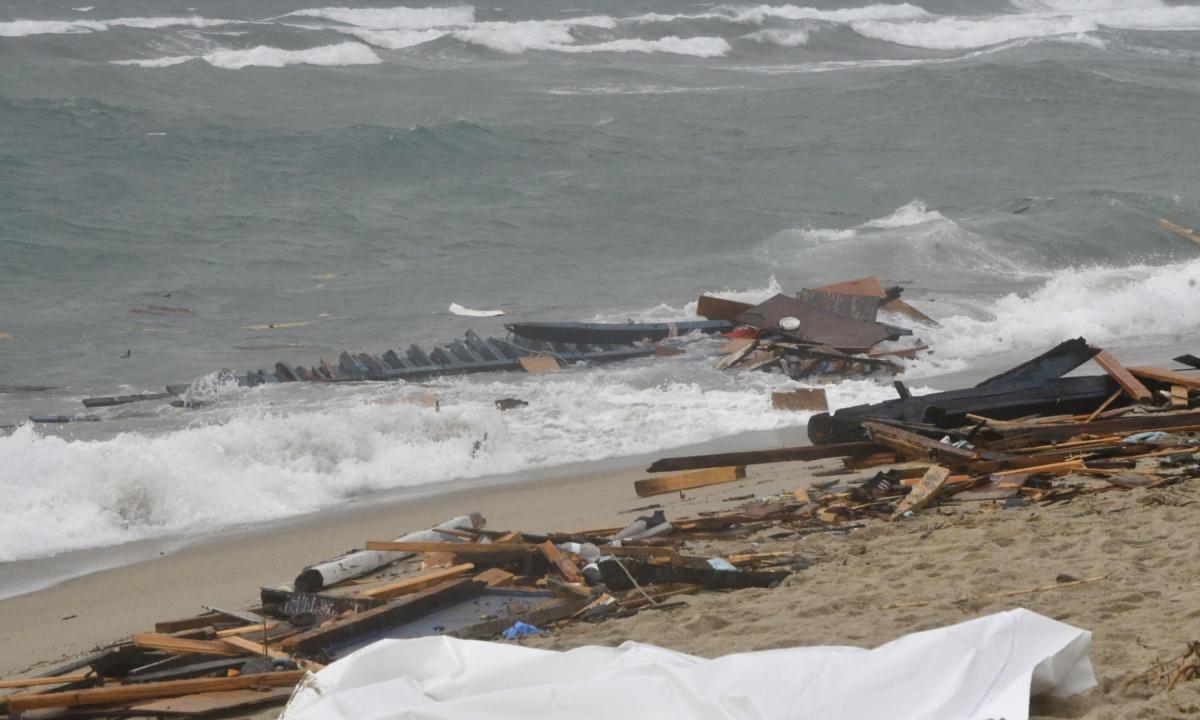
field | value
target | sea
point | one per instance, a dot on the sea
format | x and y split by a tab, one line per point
289	179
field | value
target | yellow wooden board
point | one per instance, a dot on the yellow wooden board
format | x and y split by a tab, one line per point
688	480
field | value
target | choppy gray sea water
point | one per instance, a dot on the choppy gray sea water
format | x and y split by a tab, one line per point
355	169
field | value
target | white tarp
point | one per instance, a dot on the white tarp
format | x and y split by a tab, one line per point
984	668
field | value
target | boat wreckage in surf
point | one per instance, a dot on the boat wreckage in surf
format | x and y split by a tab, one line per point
819	334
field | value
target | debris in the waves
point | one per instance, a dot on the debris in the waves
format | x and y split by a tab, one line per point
457	309
510	404
1179	230
163	310
5	335
802	400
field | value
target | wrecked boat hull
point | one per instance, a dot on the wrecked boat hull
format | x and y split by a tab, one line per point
613	333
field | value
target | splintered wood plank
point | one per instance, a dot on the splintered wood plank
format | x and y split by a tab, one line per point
114	694
30	682
213	702
540	364
1131	385
569	570
900	307
481	550
802	400
1179	397
1179	230
688	480
1171	377
495	577
919	447
253	647
868	286
180	646
924	492
414	584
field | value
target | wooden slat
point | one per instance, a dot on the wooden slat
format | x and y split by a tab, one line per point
539	364
247	630
1170	377
1131	385
685	481
202	704
30	682
802	400
1179	230
254	647
569	570
924	492
1179	397
758	457
495	577
411	585
492	552
115	694
919	447
180	646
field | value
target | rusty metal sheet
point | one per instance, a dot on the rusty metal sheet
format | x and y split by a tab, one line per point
855	307
817	326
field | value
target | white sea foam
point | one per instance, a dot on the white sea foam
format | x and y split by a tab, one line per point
785	38
703	47
263	462
1066	20
1103	304
348	53
761	13
23	28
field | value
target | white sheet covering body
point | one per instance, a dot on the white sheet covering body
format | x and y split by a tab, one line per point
983	668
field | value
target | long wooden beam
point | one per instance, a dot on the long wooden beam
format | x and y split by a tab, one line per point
115	694
759	457
1170	377
1130	384
688	480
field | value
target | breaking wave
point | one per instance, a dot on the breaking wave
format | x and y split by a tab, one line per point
347	53
1043	20
264	463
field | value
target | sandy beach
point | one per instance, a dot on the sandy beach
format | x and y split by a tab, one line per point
1133	550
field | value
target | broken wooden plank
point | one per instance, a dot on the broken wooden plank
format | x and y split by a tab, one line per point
407	586
495	577
115	694
802	400
919	447
30	682
1168	377
688	480
209	703
395	612
1131	385
478	553
247	645
900	307
1054	363
180	646
1180	397
758	457
1181	231
539	364
566	567
924	492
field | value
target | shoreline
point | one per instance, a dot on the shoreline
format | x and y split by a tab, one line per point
226	569
21	577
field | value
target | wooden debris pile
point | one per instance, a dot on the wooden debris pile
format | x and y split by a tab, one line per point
455	579
825	332
1025	436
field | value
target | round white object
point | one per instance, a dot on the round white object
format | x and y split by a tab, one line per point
789	323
